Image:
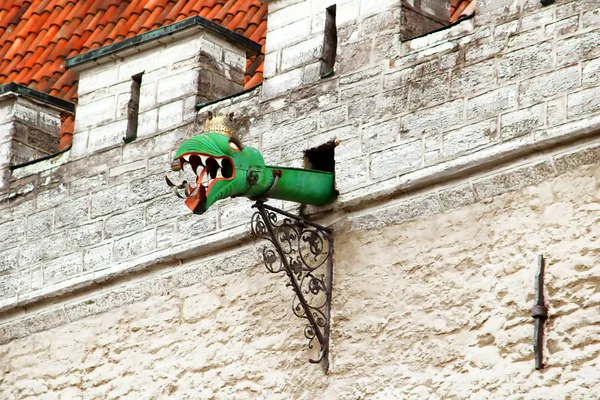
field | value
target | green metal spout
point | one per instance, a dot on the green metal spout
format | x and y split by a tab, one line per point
224	167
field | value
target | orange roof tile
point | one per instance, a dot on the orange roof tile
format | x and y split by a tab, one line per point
460	9
36	36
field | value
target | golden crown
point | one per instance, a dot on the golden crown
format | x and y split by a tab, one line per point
220	123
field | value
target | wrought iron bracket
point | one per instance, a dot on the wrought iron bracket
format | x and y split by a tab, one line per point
302	250
540	313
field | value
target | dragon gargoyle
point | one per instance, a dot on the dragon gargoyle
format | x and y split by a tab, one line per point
224	167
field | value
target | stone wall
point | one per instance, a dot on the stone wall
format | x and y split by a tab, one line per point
28	131
436	307
501	102
175	75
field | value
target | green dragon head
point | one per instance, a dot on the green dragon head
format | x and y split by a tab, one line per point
223	168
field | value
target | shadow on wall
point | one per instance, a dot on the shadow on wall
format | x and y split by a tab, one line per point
421	17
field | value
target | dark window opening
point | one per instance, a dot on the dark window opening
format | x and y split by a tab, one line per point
329	43
422	17
133	108
321	158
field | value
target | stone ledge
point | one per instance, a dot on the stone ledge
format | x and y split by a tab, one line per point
124	294
483	159
189	250
165	278
532	171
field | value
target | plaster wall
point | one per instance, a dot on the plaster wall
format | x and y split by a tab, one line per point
501	102
437	307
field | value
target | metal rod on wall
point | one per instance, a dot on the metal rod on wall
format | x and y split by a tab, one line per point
540	313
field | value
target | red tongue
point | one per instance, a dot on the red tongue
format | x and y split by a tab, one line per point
192	201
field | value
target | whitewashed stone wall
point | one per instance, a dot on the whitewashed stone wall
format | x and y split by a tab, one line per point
28	131
177	74
502	102
436	308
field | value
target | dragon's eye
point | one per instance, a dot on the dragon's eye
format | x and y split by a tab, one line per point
235	144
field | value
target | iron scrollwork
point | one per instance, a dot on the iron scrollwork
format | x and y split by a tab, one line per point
304	251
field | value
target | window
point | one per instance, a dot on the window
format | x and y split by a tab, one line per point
133	109
421	17
329	43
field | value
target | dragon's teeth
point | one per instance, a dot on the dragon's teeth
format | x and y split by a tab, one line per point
218	160
186	158
204	158
219	174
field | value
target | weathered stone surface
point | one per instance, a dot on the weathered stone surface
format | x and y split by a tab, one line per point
164	209
379	135
109	200
9	259
432	120
288	132
590	73
302	53
429	91
523	121
548	85
397	213
567	161
193	226
84	235
73	212
557	111
31	324
399	159
464	140
351	173
583	102
97	258
360	90
575	48
120	297
135	245
335	116
40	224
492	103
563	27
62	268
120	224
526	61
51	197
457	197
513	179
12	231
42	249
166	236
354	56
87	184
473	79
374	162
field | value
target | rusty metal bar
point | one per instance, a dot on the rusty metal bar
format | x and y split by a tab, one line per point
540	313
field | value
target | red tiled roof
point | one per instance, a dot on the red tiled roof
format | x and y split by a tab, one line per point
461	8
36	36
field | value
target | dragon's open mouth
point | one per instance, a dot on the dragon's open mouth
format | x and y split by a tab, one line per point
208	169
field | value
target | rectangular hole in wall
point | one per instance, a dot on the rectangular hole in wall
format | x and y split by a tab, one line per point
329	43
321	158
133	108
422	17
